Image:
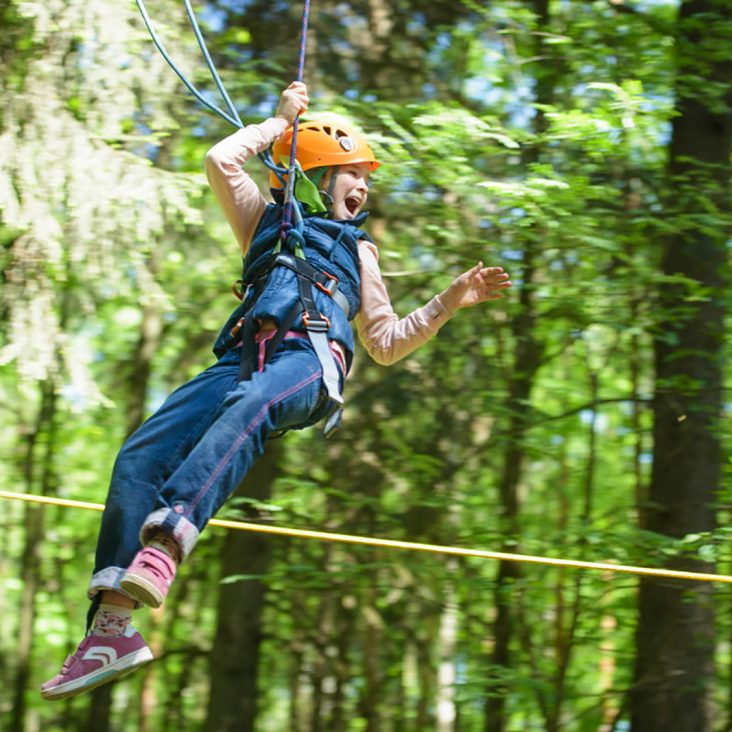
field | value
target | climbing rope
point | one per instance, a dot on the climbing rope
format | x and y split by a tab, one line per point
408	545
291	208
232	116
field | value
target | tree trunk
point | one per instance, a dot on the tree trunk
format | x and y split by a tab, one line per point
296	675
334	632
369	706
446	711
148	343
30	574
674	666
232	704
43	430
100	709
526	360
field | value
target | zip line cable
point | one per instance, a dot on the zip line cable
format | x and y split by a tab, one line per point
407	545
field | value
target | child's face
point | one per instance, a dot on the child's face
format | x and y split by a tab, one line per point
350	190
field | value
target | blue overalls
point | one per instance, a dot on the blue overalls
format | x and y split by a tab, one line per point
180	466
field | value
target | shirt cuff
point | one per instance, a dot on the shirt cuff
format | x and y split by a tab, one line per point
436	314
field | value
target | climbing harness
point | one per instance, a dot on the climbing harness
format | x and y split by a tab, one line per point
658	572
324	144
289	250
316	324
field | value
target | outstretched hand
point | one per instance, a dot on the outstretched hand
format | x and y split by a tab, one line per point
293	101
477	285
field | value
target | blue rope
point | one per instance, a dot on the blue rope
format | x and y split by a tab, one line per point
232	116
209	62
232	120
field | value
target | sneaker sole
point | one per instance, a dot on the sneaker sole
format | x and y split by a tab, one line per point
112	672
142	590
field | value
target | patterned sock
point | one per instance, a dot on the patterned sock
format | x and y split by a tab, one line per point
111	620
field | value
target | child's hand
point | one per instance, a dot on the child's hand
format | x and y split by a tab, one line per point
293	101
474	286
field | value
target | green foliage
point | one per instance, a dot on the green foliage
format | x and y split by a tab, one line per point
106	225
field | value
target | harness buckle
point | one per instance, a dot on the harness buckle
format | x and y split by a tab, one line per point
317	323
234	332
333	422
330	286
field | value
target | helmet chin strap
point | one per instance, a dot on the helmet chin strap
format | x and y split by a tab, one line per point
327	195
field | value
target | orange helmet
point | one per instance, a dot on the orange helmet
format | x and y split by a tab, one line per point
322	142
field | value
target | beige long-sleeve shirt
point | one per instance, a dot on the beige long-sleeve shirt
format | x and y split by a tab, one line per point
385	336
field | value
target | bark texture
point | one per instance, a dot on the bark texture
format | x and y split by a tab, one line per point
674	668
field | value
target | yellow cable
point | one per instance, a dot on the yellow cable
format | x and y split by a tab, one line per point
408	545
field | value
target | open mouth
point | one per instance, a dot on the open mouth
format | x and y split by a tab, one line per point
352	204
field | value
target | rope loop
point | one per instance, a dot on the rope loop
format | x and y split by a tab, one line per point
295	238
232	117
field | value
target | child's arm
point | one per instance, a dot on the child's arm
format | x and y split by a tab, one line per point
388	339
239	196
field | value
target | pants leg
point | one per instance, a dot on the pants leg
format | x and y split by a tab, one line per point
285	394
177	470
148	458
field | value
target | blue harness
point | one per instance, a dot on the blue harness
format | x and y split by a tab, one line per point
317	293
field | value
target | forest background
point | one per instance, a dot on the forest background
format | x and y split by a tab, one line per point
584	146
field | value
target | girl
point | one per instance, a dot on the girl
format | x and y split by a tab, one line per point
282	359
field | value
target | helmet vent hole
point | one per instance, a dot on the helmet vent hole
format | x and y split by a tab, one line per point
327	130
339	134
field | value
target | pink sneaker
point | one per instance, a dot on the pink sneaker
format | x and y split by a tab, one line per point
149	577
98	660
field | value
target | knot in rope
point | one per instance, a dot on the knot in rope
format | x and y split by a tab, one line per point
294	237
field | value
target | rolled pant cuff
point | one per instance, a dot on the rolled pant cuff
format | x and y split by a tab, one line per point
174	525
108	578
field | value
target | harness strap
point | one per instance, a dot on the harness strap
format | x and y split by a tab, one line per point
316	326
247	336
324	281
